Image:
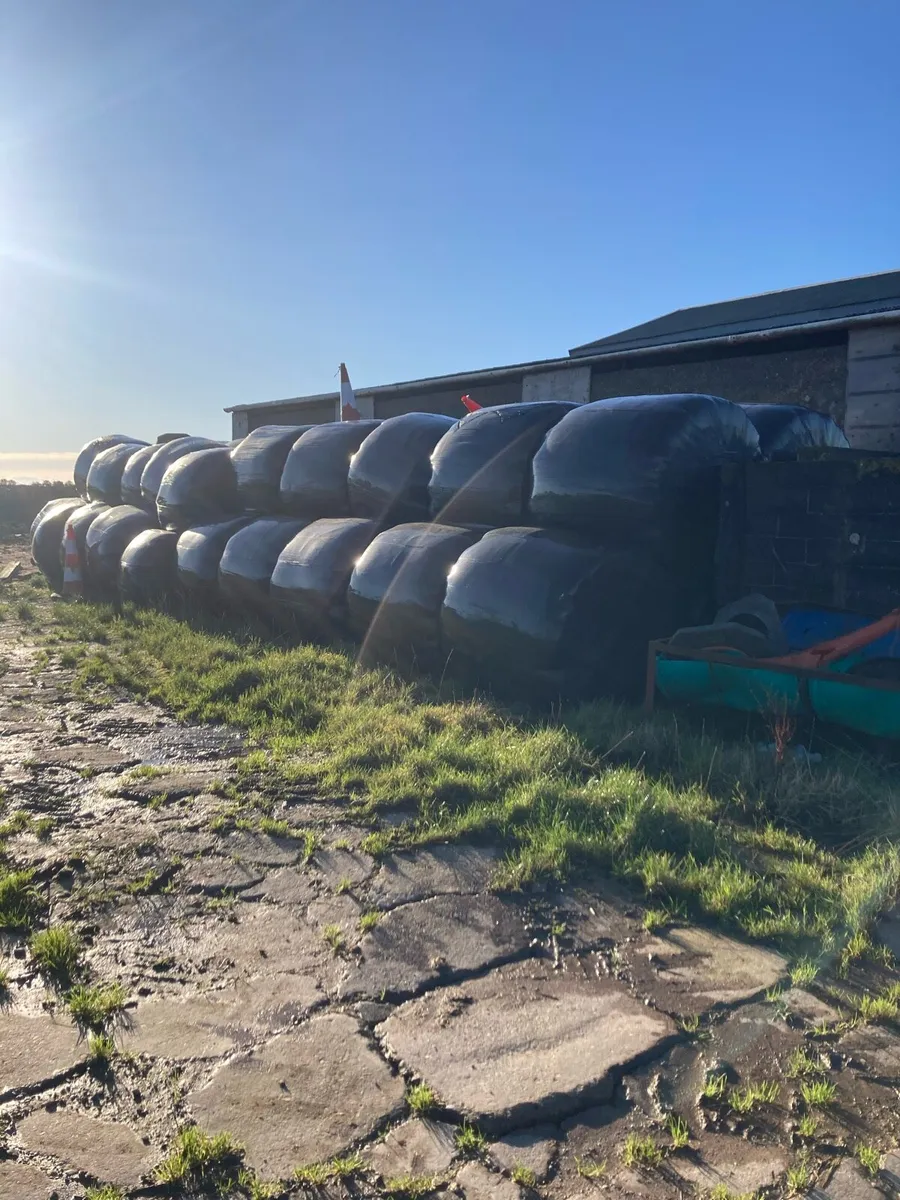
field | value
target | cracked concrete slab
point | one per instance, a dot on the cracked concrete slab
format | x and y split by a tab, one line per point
476	1182
302	1097
523	1043
876	1047
108	1152
690	970
849	1182
532	1148
418	1147
421	944
289	885
33	1049
19	1181
211	1024
436	871
740	1166
217	875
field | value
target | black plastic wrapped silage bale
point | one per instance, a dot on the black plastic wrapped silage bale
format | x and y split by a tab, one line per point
481	468
310	580
106	541
49	507
314	479
200	551
259	462
104	481
786	429
397	589
390	473
80	521
46	539
89	452
131	478
250	556
164	457
148	569
199	489
544	609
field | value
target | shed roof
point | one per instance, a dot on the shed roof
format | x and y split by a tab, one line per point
833	301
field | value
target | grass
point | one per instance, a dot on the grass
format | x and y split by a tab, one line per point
420	1098
754	1095
523	1175
808	1126
589	1168
95	1007
334	936
56	952
470	1139
410	1187
4	982
679	1132
869	1158
106	1191
197	1157
368	921
803	857
641	1152
804	972
799	1176
801	1064
19	900
335	1168
818	1093
715	1087
101	1049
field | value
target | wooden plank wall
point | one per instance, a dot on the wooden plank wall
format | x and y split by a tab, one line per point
872	420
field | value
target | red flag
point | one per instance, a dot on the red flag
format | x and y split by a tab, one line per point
470	404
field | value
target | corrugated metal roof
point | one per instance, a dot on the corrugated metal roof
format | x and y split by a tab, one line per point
772	310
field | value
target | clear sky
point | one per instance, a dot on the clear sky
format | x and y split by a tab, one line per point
210	202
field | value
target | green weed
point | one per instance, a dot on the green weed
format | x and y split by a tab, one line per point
807	1126
869	1158
334	936
801	1064
641	1152
410	1187
589	1168
804	972
19	900
95	1007
106	1191
197	1157
101	1048
56	952
420	1098
799	1176
679	1132
715	1087
523	1175
469	1139
818	1093
368	921
746	1099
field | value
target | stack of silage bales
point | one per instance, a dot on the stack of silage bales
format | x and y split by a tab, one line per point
534	544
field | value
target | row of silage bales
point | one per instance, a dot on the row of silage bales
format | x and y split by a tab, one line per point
540	543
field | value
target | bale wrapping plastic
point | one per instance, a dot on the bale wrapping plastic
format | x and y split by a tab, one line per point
258	464
104	481
249	559
163	457
81	520
49	507
46	539
786	429
481	468
390	473
89	452
148	571
624	466
397	589
310	580
314	479
131	478
200	551
199	489
560	615
106	540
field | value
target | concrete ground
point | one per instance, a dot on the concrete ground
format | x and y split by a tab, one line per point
291	989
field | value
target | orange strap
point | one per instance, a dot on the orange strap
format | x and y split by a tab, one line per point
824	653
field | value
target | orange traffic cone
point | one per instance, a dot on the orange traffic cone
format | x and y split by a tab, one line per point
72	581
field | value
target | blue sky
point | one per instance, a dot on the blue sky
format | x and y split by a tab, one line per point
210	202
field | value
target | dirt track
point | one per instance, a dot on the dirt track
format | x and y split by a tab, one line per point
264	1001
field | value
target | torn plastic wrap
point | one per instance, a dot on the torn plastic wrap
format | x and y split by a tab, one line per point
104	481
545	609
46	538
131	478
390	473
81	520
397	589
314	479
200	551
164	457
309	583
199	489
148	572
481	468
786	429
259	462
89	452
105	544
246	566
